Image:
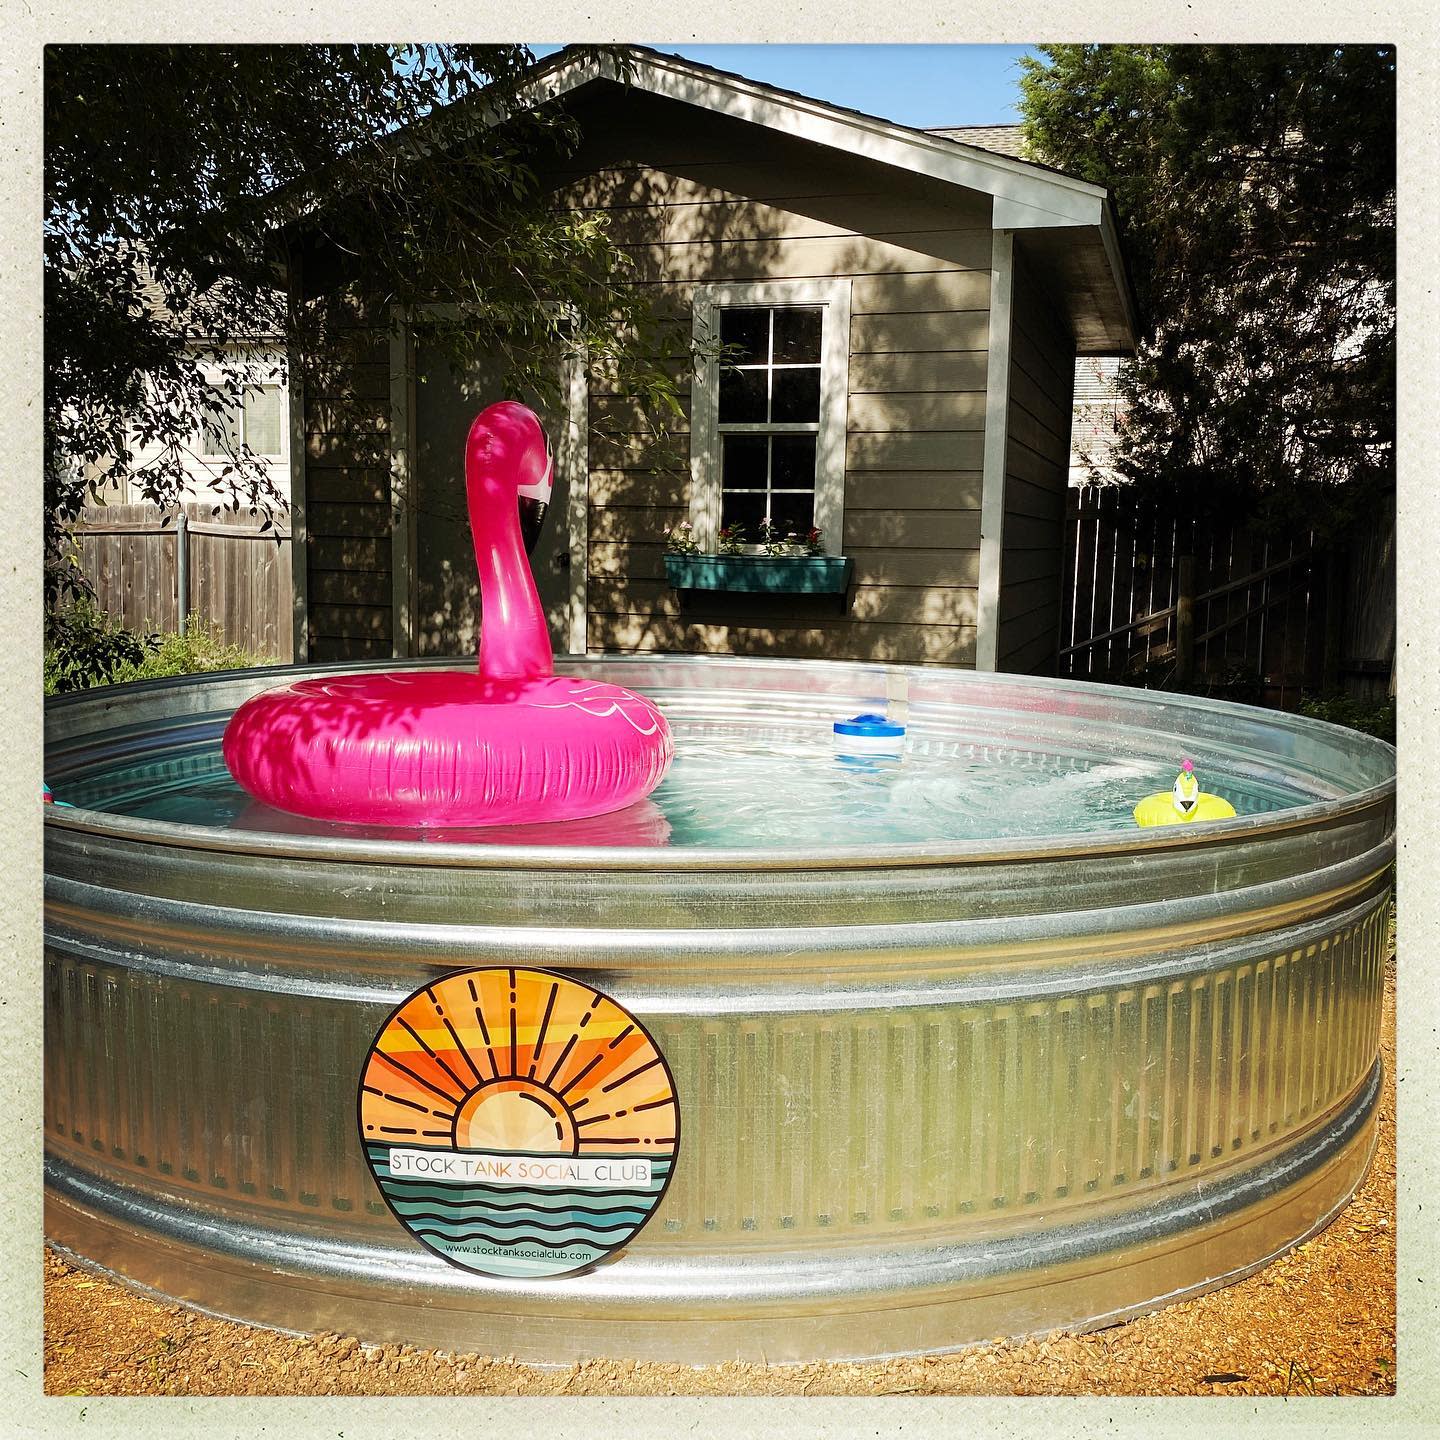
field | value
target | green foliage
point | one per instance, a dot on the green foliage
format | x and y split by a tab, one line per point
197	650
185	183
1255	187
85	648
1244	685
1372	717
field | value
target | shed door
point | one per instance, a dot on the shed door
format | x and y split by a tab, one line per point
447	594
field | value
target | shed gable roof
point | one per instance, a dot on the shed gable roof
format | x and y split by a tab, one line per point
1073	222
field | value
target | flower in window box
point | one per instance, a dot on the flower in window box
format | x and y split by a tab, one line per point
793	542
732	540
680	539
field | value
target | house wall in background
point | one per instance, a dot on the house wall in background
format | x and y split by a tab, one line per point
1037	450
348	502
202	470
1094	425
699	198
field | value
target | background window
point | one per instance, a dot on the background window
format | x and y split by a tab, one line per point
221	430
768	416
254	422
262	419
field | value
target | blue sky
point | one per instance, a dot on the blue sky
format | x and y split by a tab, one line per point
923	85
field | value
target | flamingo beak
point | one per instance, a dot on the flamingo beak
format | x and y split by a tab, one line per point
534	502
532	520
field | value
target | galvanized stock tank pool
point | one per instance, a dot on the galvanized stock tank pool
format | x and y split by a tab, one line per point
959	1051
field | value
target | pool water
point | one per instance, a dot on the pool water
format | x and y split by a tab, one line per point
750	783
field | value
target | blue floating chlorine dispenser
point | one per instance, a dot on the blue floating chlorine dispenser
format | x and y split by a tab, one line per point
869	734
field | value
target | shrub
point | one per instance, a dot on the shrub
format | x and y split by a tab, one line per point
1372	717
196	649
85	648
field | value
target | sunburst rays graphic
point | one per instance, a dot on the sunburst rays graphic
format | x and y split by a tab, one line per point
512	1061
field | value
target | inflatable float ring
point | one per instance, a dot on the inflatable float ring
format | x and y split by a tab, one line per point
509	743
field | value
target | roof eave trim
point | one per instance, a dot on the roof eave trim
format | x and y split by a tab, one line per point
1110	238
1068	200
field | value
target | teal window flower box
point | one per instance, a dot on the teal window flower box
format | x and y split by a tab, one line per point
761	574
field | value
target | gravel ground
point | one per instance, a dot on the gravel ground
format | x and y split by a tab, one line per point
1319	1321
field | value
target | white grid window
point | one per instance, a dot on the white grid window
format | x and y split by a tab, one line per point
768	421
769	416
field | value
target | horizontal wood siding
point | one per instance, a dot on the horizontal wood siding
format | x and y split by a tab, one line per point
1037	449
699	200
347	515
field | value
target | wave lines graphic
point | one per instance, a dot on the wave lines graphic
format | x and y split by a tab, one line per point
451	1227
498	1195
459	1216
618	706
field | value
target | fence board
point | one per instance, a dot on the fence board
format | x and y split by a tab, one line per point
1260	604
239	575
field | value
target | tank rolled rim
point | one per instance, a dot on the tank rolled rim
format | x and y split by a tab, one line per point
1077	844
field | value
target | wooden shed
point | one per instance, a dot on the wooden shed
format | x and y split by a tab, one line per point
910	308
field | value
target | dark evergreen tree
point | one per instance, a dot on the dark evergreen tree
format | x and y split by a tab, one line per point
1255	187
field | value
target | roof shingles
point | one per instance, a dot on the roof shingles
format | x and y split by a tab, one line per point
998	139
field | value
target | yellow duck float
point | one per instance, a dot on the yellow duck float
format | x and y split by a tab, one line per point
1182	803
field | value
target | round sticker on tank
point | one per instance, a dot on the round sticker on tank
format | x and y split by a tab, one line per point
518	1123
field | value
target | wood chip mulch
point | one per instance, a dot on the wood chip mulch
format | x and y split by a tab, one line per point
1318	1321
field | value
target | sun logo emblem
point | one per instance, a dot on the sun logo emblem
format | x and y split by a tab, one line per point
518	1123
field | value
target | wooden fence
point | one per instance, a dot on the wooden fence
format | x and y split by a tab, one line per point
1143	592
149	570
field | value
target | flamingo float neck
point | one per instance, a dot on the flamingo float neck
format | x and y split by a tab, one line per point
506	455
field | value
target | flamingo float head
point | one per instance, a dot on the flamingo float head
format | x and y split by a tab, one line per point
508	481
507	435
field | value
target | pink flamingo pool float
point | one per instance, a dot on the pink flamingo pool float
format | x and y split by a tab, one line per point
509	743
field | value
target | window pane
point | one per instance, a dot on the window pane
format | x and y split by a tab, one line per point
794	462
742	395
749	329
746	510
797	395
797	336
262	419
792	513
743	466
220	431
